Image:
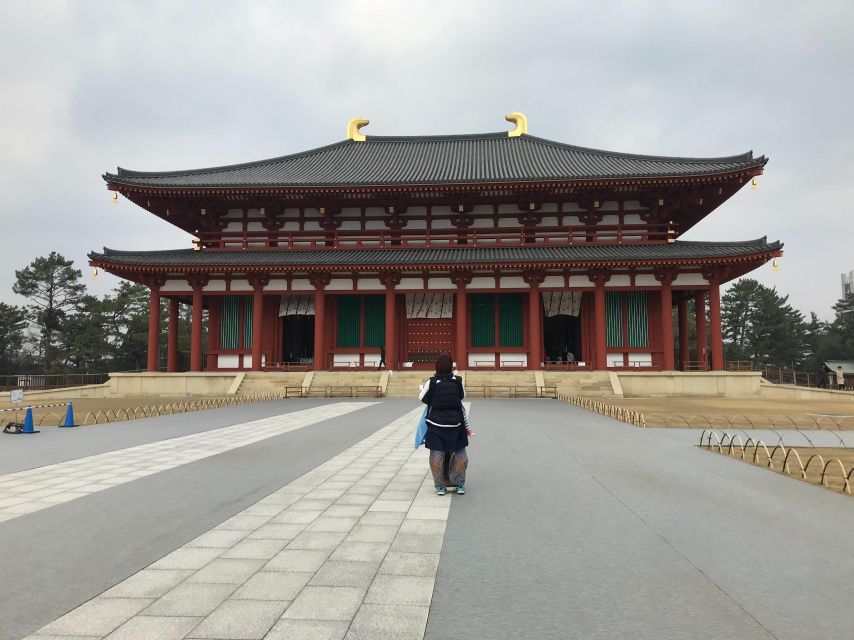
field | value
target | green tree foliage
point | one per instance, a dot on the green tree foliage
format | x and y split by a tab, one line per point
83	343
53	288
760	325
13	323
126	316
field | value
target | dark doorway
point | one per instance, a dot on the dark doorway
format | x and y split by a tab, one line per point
297	339
562	338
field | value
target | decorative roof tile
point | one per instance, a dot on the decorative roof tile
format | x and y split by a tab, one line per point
433	160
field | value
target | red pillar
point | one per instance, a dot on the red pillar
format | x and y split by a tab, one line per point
196	331
683	332
153	327
668	357
257	326
390	327
319	329
172	342
599	343
700	321
715	330
461	354
535	328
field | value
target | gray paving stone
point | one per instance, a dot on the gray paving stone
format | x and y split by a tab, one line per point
220	538
423	527
190	599
360	551
154	628
324	494
427	513
296	517
326	523
410	564
243	523
187	558
388	622
263	509
240	620
390	505
255	549
297	560
273	585
310	505
226	571
418	544
394	494
336	573
403	590
372	533
346	510
355	499
284	532
317	540
148	583
97	617
286	629
383	517
326	603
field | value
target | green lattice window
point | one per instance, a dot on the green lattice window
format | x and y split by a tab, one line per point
348	320
229	322
248	324
374	321
482	319
613	319
638	320
510	319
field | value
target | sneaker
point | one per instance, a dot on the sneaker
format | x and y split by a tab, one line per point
461	490
440	491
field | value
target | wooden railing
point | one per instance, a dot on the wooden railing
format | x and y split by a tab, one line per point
510	391
356	391
429	238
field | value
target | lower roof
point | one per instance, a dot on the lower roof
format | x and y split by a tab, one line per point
228	260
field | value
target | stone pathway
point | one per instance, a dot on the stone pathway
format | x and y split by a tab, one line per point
349	550
43	487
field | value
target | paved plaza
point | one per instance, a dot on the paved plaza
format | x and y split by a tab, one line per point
308	519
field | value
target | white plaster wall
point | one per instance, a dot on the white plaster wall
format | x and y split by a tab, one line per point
312	225
234	213
241	285
646	280
416	211
481	283
227	361
512	282
615	359
609	205
508	222
610	219
345	359
485	358
410	283
351	211
482	222
549	221
215	285
440	283
572	207
300	284
417	224
441	211
553	281
370	284
508	208
234	226
291	225
350	225
549	207
632	218
340	284
690	279
372	359
374	224
482	208
311	212
579	282
277	284
176	285
640	359
442	224
632	205
571	221
619	280
513	359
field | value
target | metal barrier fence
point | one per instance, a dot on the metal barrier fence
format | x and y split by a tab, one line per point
500	391
333	392
826	472
745	421
603	408
42	382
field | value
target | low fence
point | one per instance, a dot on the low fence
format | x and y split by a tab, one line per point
333	392
506	391
830	473
603	408
145	411
43	382
746	421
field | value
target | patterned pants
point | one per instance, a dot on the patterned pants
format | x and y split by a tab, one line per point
451	474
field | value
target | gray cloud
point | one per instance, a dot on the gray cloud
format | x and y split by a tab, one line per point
159	85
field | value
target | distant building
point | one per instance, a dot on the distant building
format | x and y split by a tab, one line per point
847	284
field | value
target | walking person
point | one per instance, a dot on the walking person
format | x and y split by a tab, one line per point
443	393
840	378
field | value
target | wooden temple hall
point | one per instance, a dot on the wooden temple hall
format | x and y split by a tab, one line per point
504	249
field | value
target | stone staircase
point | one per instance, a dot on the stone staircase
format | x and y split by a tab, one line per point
480	378
255	382
343	383
590	384
405	384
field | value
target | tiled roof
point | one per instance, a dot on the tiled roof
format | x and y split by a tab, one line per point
438	160
680	250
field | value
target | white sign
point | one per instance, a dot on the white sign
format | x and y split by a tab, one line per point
16	395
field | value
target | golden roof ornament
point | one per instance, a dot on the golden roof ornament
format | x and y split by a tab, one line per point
521	123
353	129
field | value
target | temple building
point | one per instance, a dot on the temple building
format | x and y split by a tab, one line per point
507	250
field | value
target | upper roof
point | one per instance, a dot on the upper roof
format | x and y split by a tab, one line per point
432	160
581	254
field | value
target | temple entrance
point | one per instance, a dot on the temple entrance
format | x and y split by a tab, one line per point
426	339
298	339
562	338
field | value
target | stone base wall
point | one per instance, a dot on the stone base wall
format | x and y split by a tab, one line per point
710	384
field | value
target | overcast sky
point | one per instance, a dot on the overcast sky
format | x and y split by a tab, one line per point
87	86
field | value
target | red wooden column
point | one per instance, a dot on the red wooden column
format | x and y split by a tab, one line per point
533	278
258	283
715	330
684	345
700	321
390	280
461	279
153	325
172	341
197	283
666	278
320	281
599	277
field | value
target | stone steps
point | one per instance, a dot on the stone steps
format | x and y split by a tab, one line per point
256	382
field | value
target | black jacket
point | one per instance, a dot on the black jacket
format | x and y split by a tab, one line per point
444	394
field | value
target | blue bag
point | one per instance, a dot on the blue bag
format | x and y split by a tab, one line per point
421	430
